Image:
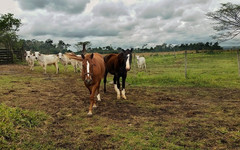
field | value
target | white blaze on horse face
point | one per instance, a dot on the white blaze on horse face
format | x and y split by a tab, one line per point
87	68
128	62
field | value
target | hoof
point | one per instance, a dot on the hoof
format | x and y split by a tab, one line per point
118	96
94	106
124	97
99	100
89	113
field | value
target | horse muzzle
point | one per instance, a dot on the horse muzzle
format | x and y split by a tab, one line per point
128	69
88	81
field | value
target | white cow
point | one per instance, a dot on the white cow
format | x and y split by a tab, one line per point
141	62
45	60
65	60
79	63
30	59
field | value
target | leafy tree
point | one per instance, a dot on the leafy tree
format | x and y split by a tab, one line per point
8	28
227	21
60	45
8	23
83	46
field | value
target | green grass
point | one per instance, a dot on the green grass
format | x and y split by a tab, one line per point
204	70
13	120
153	118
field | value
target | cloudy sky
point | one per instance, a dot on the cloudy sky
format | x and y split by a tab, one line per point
124	23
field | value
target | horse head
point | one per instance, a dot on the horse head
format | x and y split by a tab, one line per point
127	58
87	68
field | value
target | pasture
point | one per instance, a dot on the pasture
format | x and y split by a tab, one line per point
163	110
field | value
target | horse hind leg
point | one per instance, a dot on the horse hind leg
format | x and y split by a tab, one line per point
98	93
105	81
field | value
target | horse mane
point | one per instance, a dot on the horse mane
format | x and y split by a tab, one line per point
120	57
73	56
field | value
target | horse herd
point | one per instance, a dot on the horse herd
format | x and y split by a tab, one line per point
94	67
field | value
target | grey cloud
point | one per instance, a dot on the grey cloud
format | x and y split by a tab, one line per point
110	9
192	15
162	9
70	6
73	27
168	9
157	22
32	4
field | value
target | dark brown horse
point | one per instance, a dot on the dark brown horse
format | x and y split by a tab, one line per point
92	74
118	65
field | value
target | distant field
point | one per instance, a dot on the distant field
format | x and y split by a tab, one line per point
163	110
204	70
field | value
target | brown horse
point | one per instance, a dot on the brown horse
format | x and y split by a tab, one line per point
118	65
93	69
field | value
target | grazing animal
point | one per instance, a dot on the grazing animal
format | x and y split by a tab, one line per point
30	59
92	73
45	60
118	65
65	60
141	62
79	64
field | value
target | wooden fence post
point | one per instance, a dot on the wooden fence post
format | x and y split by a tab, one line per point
238	62
185	64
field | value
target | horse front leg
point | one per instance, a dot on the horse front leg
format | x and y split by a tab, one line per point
117	87
92	102
123	86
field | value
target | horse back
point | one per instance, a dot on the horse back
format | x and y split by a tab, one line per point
111	62
100	66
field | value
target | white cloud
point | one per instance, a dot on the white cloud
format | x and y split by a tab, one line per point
125	23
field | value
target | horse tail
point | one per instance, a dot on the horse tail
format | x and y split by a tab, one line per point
73	56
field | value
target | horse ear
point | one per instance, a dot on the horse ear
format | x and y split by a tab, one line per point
123	51
91	56
131	49
82	56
